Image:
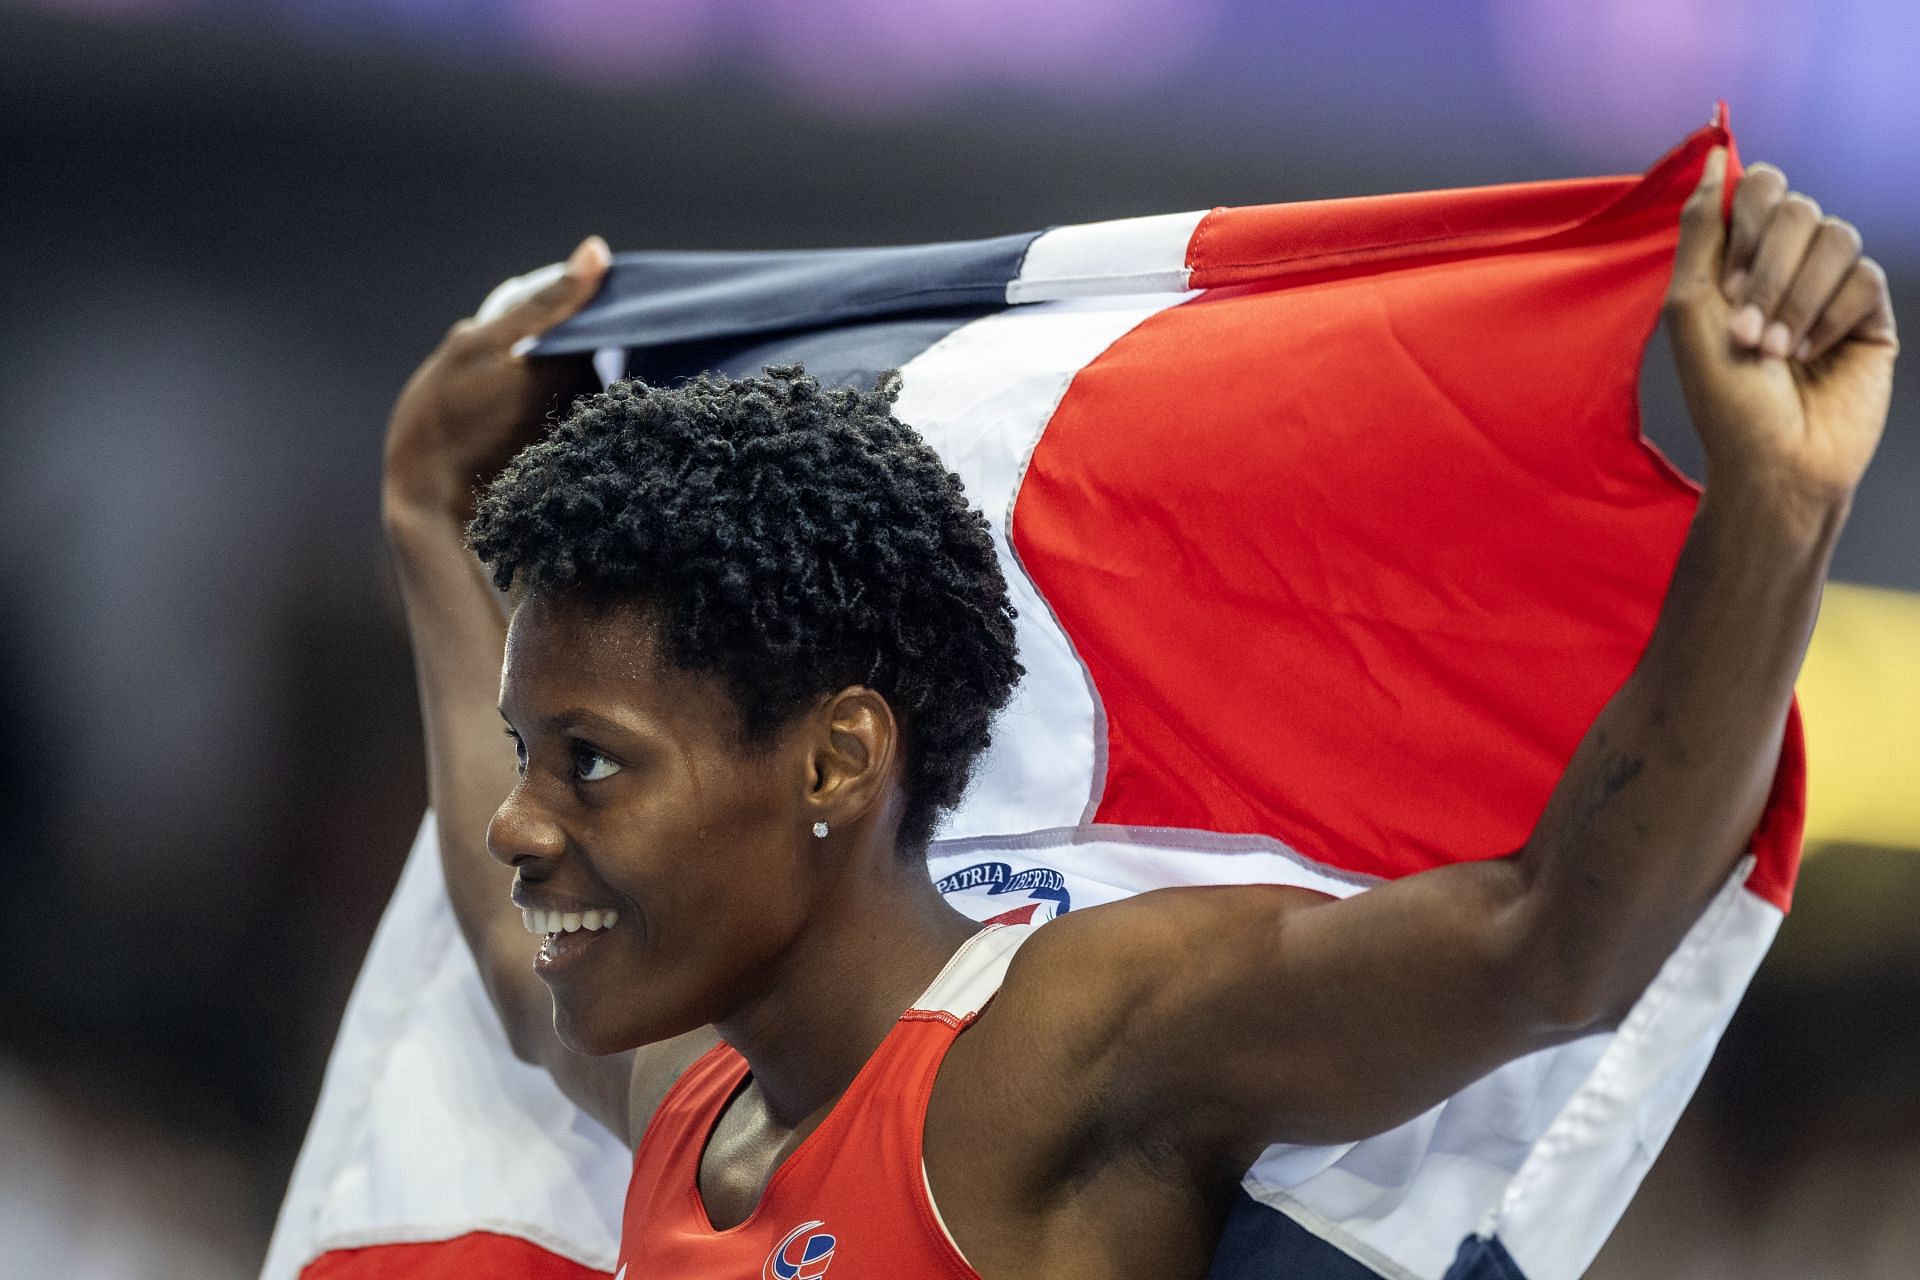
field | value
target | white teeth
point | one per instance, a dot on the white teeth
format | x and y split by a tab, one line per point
538	921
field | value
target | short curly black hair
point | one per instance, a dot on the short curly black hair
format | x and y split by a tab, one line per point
790	539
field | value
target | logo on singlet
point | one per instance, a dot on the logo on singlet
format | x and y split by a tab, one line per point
803	1255
1046	888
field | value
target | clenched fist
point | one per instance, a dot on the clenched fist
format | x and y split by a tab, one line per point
1784	339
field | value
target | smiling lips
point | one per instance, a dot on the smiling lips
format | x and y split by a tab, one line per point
553	922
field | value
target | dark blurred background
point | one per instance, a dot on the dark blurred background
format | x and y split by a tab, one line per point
233	226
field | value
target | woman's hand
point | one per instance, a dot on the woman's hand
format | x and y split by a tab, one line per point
476	401
1784	339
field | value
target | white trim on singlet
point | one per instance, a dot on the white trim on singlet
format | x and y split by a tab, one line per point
974	973
926	1184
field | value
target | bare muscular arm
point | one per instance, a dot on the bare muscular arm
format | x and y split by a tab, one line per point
1261	1015
464	413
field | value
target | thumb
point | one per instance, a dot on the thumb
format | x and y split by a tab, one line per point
528	305
1703	229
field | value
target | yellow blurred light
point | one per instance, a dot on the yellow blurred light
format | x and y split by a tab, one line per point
1860	704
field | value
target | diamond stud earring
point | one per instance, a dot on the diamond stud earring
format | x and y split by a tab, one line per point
820	830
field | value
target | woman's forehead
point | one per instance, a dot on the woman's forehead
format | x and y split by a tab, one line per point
561	650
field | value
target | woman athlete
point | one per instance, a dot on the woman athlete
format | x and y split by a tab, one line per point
755	640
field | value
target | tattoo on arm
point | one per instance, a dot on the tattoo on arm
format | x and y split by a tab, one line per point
1617	771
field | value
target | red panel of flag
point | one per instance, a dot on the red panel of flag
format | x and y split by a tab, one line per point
1357	544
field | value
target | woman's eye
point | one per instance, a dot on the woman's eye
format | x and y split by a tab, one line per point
590	766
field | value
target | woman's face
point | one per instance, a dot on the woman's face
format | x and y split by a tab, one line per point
634	798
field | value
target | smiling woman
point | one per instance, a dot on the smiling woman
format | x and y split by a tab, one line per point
649	808
756	640
742	611
748	612
708	580
694	570
788	540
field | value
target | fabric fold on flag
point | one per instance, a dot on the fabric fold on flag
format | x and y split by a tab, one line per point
1331	528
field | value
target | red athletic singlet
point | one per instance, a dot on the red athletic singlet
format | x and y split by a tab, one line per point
851	1202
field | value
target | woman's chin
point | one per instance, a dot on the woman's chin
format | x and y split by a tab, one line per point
587	1036
594	1037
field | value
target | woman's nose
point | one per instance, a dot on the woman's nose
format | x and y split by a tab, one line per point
521	830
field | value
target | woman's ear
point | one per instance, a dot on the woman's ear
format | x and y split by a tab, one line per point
855	744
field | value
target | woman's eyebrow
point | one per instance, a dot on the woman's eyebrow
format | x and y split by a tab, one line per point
579	718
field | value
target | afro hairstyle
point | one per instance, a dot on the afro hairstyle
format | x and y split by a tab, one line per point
789	539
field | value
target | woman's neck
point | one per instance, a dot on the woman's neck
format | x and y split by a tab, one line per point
876	939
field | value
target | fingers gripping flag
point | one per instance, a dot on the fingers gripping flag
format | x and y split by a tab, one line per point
1331	529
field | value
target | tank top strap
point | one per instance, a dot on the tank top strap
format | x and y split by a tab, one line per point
971	977
883	1110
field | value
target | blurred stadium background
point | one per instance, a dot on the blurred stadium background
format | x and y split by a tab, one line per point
232	228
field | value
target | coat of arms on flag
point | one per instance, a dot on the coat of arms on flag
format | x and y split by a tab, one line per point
1314	588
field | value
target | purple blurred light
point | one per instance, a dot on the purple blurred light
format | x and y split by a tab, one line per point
611	40
1618	80
107	8
871	52
858	51
1822	87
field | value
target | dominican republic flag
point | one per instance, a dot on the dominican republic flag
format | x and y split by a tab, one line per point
1331	528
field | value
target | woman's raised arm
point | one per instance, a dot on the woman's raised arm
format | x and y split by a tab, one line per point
468	408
